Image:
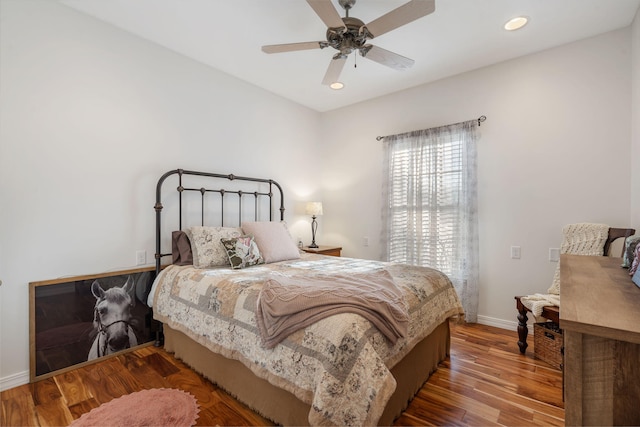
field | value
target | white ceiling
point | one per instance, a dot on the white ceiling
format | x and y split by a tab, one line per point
461	35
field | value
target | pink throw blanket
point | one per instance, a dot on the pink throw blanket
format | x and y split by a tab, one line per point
287	304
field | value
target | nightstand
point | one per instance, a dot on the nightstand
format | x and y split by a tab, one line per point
324	250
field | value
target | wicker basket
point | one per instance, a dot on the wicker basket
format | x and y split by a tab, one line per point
548	343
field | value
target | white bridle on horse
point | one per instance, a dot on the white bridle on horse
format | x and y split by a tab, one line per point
103	333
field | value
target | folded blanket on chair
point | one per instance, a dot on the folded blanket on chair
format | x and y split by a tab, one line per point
536	302
287	304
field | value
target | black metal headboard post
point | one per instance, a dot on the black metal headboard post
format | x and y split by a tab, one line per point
181	172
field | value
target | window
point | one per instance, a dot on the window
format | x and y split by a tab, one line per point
430	211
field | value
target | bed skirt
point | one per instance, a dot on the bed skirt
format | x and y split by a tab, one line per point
286	409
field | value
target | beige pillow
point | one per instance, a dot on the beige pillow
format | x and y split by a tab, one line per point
207	249
273	240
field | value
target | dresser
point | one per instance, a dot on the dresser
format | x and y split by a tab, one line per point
600	317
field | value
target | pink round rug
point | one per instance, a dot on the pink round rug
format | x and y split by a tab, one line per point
155	407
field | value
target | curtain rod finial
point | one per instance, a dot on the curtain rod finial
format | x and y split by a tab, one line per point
481	119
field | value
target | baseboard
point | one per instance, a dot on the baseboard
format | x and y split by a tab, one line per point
15	380
511	325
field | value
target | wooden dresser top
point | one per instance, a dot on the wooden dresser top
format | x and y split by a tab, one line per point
597	297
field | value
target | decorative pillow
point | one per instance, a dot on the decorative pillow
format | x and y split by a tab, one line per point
242	251
181	248
635	263
206	247
273	239
629	246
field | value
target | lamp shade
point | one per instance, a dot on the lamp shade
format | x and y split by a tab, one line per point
314	208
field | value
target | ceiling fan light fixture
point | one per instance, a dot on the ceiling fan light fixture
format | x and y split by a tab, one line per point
516	23
349	34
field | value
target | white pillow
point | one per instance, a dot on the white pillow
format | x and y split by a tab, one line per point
273	240
206	247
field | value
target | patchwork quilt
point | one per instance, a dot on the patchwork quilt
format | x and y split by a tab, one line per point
338	365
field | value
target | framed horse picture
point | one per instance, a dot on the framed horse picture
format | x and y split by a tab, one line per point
77	320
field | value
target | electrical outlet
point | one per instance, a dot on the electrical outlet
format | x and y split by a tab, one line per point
141	257
554	254
365	241
515	252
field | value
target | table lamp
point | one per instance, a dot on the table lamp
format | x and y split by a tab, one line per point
314	209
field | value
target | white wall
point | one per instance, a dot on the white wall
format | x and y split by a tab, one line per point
635	122
554	150
90	119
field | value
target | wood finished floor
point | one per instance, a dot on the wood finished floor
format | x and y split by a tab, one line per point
485	382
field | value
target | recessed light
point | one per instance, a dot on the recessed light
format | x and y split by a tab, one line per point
336	85
516	23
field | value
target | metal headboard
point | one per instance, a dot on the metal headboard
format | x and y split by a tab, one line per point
181	173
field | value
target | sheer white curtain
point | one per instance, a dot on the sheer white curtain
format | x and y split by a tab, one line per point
430	214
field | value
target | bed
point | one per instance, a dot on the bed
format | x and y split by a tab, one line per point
346	366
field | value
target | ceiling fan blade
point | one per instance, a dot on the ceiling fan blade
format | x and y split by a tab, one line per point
387	58
329	15
290	47
333	72
400	16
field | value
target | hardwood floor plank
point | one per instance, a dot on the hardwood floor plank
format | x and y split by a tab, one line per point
407	419
146	350
102	382
485	382
45	391
72	387
430	412
19	411
15	392
207	418
512	419
411	420
472	371
521	401
83	407
452	400
472	419
142	371
546	420
196	384
495	402
54	413
230	416
160	364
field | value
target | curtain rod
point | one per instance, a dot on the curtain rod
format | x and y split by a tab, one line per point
480	120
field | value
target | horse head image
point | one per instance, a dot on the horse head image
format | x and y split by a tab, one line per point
111	319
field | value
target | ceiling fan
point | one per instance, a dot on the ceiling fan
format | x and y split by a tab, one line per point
349	34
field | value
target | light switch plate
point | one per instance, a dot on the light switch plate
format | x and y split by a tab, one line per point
515	252
141	257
